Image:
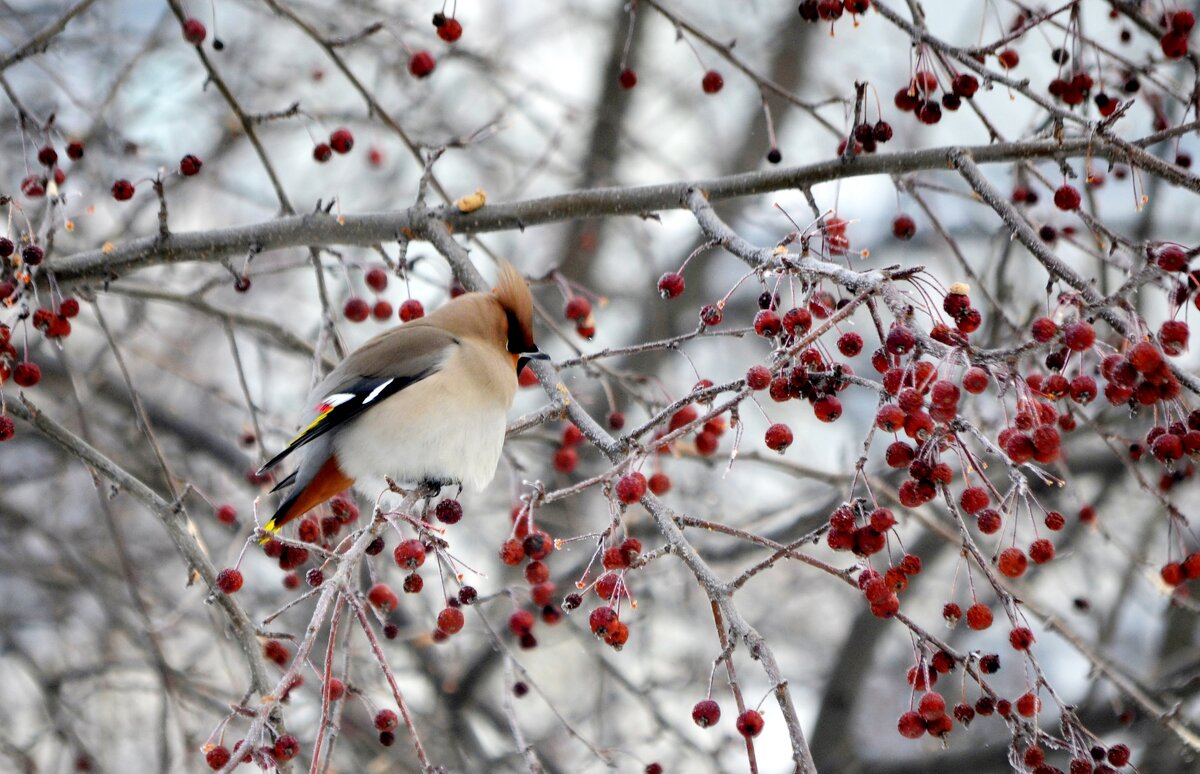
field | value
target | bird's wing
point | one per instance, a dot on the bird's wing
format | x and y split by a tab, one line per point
380	368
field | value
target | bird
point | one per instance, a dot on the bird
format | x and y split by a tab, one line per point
425	402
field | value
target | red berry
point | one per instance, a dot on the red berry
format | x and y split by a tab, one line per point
450	620
27	374
381	310
1067	197
194	31
1021	639
630	487
911	725
322	152
122	190
577	308
411	310
410	554
226	514
900	340
670	285
931	706
904	227
601	620
706	713
758	377
386	720
356	309
229	580
660	484
75	151
979	616
47	155
1174	45
1173	336
1008	58
827	409
341	141
217	757
1041	550
1012	562
381	596
521	622
796	321
850	344
749	724
712	82
189	165
286	748
1079	336
779	437
627	78
767	323
421	64
450	31
1028	705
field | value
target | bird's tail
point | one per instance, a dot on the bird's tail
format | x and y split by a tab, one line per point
328	481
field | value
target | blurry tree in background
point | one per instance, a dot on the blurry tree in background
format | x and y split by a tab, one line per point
868	444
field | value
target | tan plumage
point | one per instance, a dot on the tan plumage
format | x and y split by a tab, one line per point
425	402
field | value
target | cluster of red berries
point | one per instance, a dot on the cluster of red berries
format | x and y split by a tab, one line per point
831	10
1174	41
358	309
806	376
867	137
1074	87
35	185
919	97
341	141
1139	377
529	542
1171	442
311	529
882	592
578	310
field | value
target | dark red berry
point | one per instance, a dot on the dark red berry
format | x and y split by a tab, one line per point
712	82
421	64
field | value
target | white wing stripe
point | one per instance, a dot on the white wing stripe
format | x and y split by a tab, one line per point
375	392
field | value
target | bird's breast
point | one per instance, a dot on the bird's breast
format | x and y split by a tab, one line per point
448	426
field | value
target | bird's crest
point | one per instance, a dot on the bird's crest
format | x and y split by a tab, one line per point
513	294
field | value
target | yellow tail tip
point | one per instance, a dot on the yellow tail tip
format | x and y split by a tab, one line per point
271	528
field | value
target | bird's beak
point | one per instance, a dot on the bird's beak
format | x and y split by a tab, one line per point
524	358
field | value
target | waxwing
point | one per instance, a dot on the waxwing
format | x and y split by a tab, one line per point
425	402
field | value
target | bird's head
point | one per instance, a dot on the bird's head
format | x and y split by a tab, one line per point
517	303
